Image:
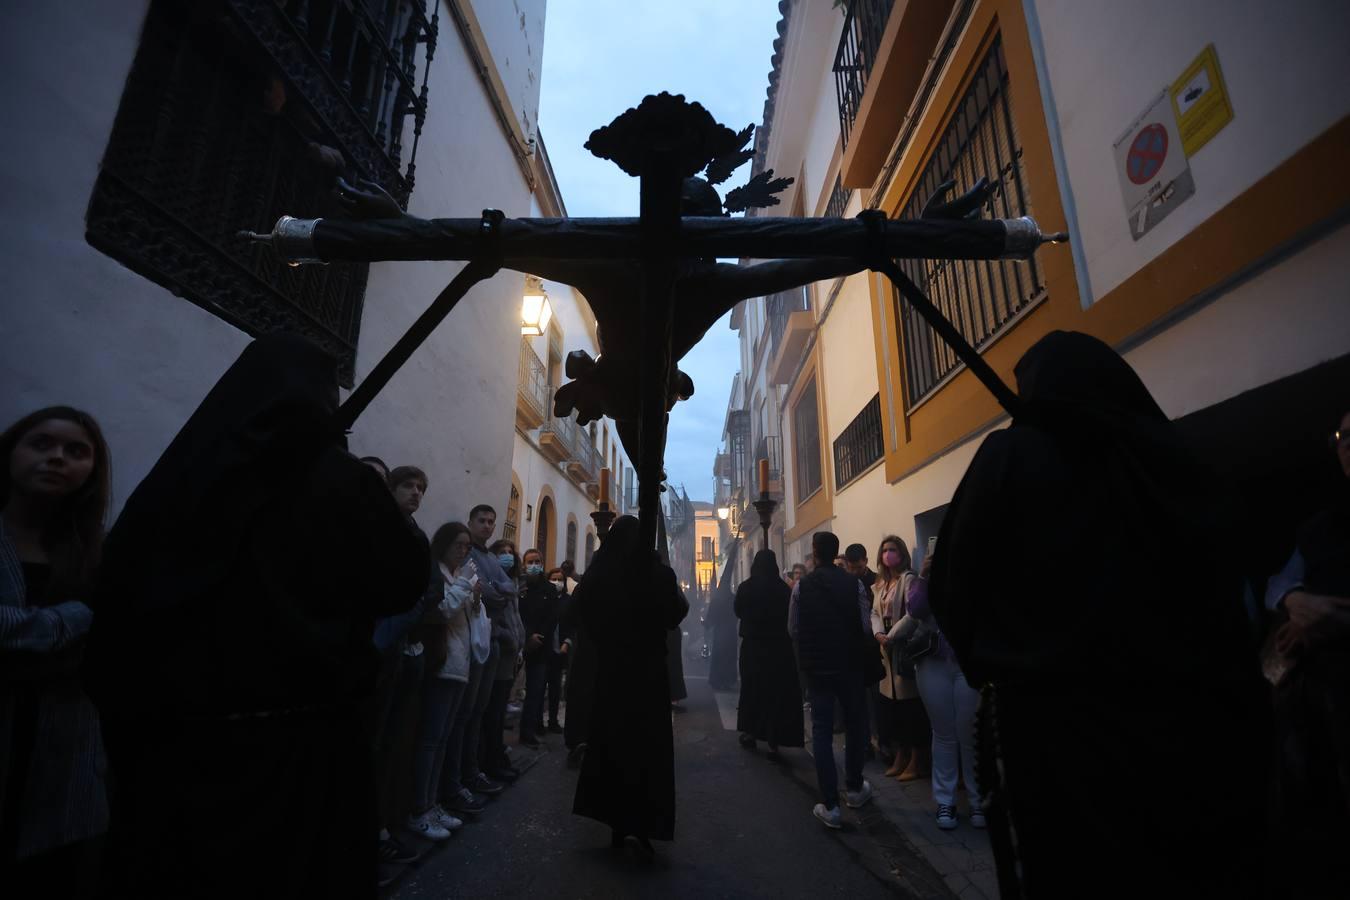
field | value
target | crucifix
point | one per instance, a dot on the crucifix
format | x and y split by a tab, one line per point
654	282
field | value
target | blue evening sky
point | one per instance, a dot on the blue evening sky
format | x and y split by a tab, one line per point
600	58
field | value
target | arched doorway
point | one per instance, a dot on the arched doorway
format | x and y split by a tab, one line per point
544	529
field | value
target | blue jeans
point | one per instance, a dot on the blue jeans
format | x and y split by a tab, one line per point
846	688
440	704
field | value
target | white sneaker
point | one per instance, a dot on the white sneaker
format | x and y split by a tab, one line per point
830	817
445	820
977	817
946	817
426	826
858	798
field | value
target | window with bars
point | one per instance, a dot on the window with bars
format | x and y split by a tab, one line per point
571	542
981	298
859	445
239	111
838	199
738	446
806	443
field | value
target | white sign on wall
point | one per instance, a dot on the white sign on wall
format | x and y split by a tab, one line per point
1155	177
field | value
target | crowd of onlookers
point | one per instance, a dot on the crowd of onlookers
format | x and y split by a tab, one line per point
269	615
262	639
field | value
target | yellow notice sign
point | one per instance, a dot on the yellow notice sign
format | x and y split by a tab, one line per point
1200	100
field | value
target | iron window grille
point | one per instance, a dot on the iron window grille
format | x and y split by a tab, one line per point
838	199
864	24
572	542
859	445
981	298
806	443
225	124
738	446
509	530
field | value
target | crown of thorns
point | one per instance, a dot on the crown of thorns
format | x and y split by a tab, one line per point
687	133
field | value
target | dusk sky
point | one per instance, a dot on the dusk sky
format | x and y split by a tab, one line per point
602	57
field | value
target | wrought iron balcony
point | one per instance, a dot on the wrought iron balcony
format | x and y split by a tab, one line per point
770	447
585	462
738	447
558	437
532	390
864	24
789	323
860	444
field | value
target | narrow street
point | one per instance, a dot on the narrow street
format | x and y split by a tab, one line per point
744	829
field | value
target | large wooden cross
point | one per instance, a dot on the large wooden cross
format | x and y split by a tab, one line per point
653	282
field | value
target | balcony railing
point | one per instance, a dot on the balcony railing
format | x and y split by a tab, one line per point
778	308
770	447
738	446
838	199
585	462
558	437
531	388
864	24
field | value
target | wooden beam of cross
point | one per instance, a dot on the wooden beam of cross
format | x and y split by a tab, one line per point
669	253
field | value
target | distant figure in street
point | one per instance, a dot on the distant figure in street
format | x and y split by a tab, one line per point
1092	473
721	626
53	506
627	601
1312	697
539	609
829	618
770	709
232	647
798	573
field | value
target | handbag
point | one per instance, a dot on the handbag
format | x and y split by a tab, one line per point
920	644
480	634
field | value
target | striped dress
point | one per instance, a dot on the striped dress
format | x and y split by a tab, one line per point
52	763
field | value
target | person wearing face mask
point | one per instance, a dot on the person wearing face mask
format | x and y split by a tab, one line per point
559	651
539	608
510	632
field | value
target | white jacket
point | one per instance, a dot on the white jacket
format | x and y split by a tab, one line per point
454	607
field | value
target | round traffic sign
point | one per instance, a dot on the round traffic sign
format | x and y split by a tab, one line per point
1147	152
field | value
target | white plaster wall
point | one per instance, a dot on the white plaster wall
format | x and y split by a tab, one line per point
535	471
514	31
848	358
80	328
1288	75
1289	318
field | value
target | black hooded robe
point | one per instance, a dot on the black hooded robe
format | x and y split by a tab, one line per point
770	708
1082	572
627	602
722	638
233	645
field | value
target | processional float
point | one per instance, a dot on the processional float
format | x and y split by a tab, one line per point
654	282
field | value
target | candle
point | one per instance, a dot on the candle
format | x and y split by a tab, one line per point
604	486
763	476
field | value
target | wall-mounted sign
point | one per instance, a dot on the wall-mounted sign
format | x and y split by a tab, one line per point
1200	101
1151	164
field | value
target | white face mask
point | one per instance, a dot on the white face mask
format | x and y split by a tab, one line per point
557	584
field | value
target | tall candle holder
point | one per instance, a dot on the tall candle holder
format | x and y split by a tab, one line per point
603	517
765	506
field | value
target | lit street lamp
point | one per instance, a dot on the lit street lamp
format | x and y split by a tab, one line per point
535	311
724	512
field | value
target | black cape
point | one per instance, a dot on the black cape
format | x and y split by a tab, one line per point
771	698
1083	570
627	601
233	642
721	628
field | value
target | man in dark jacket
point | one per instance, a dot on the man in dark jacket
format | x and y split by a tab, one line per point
828	618
539	608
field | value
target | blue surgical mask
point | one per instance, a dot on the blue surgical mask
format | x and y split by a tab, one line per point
534	569
506	559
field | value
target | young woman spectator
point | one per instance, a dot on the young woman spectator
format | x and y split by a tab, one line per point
557	663
901	720
53	502
453	590
951	704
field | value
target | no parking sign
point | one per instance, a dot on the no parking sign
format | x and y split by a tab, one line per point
1151	164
